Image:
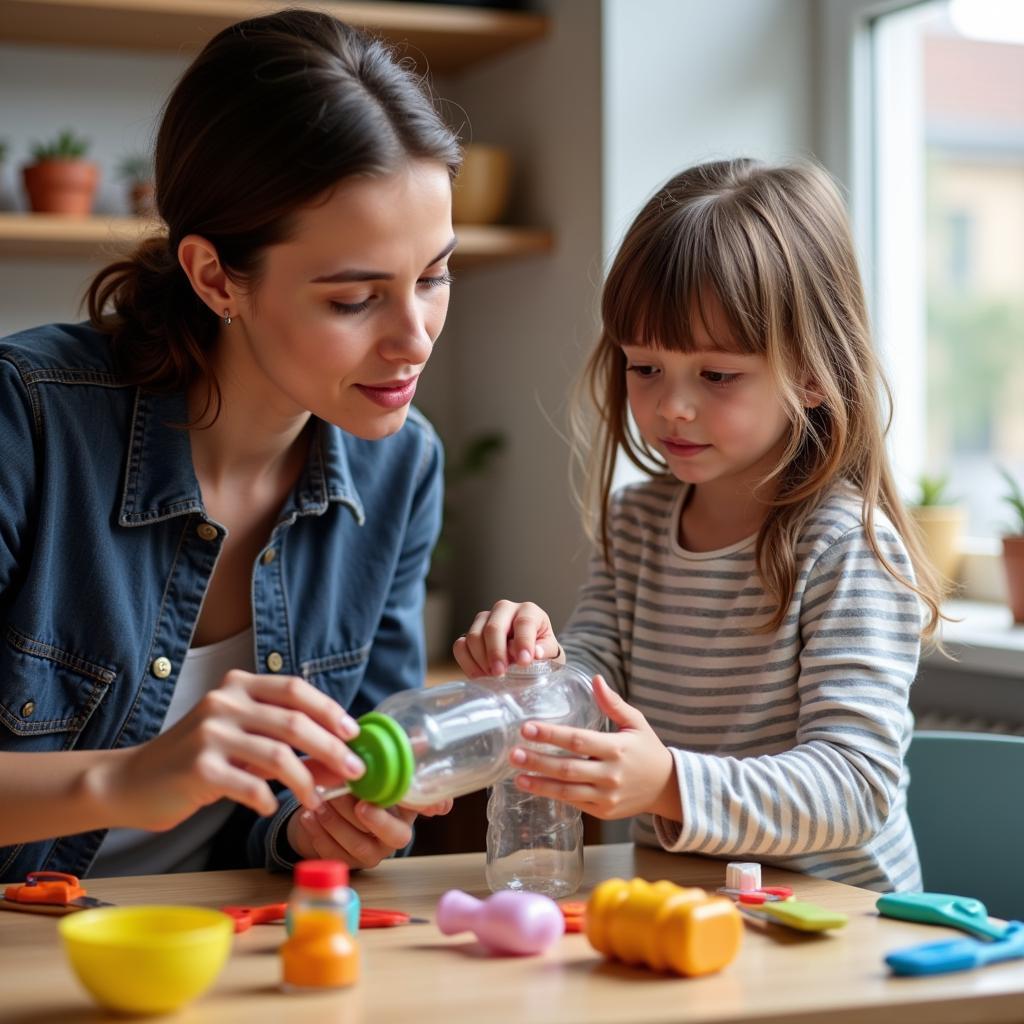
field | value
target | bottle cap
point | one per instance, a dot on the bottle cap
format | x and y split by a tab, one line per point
384	748
321	874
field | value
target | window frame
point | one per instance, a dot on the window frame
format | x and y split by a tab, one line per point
848	147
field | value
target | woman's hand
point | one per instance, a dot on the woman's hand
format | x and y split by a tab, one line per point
236	737
359	833
510	633
610	775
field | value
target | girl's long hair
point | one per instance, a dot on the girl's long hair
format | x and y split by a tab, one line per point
773	246
272	114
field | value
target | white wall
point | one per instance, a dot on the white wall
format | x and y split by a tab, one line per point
519	332
687	81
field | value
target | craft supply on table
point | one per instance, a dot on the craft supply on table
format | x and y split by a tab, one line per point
147	959
507	923
663	926
963	912
743	880
958	954
49	892
798	914
322	911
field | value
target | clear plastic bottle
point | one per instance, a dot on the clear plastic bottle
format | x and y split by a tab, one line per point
535	844
423	746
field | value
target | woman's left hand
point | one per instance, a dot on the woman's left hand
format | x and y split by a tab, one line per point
610	775
354	831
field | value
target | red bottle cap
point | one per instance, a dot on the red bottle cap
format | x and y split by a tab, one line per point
321	874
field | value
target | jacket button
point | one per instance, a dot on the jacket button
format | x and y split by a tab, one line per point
161	667
274	661
28	708
207	531
268	556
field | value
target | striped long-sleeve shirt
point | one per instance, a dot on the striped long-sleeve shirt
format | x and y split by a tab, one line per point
789	747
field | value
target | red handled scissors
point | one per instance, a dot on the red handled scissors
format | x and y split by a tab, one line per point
271	913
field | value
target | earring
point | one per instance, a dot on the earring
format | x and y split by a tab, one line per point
227	318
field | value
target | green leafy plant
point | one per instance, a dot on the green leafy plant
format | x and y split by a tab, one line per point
135	168
932	490
66	146
1015	499
474	460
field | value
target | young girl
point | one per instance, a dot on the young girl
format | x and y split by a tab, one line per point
216	505
753	614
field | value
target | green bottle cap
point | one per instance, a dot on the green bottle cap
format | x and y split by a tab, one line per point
384	748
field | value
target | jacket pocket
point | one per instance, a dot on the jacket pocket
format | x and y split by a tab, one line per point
47	694
338	675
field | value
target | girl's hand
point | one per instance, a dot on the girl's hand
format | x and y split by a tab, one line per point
357	832
509	633
234	739
612	775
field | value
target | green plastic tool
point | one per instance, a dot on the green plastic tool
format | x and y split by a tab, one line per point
963	912
804	917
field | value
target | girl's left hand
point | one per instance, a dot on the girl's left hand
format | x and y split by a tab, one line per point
354	831
611	775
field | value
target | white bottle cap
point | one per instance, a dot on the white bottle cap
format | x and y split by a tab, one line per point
744	877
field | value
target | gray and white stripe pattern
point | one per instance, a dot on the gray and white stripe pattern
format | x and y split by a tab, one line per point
788	746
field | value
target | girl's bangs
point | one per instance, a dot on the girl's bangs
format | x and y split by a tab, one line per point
660	288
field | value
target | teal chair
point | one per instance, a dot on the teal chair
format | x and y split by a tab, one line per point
966	805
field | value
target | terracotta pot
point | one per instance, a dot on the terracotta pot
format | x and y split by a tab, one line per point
142	197
940	528
62	186
1013	559
481	190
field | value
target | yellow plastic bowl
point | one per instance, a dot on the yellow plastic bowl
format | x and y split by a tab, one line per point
147	959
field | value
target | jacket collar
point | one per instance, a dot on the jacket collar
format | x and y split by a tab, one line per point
160	481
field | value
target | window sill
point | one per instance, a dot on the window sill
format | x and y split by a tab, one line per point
984	640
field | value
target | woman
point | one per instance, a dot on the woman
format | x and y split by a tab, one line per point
218	508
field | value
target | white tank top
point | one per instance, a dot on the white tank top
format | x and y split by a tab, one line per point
132	851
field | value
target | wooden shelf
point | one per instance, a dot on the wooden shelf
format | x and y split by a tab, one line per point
449	38
34	236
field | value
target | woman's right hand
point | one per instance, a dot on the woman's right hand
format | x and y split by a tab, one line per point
510	633
236	737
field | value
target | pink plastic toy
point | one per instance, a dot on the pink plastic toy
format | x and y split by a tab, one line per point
508	923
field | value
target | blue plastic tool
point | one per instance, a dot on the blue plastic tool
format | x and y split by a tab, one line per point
969	915
958	954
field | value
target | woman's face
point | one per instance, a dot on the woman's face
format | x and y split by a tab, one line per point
347	311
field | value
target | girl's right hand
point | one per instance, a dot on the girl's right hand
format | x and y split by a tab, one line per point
236	737
510	633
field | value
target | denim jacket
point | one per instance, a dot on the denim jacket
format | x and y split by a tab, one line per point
106	552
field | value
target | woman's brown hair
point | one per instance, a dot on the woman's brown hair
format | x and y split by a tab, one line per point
773	246
272	114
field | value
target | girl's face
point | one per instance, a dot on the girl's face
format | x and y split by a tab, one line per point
714	414
347	311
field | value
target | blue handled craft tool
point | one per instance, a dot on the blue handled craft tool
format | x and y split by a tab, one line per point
969	915
958	954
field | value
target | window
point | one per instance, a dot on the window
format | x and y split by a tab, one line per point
947	240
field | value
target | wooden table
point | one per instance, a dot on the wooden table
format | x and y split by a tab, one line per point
415	975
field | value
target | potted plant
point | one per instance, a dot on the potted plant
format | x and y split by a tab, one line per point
474	459
1013	547
136	171
60	179
940	524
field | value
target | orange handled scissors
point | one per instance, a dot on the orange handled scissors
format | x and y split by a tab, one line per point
49	892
